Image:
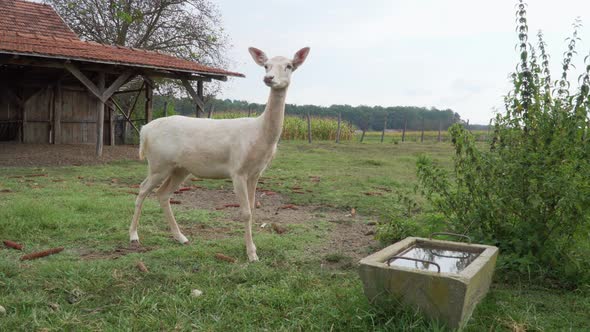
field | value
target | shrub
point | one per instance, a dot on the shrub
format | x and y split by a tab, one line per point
528	191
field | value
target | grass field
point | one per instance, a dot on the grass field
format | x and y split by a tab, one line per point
87	209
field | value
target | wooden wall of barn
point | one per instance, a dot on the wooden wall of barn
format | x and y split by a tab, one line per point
10	116
65	115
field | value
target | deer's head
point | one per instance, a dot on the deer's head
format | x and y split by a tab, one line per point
279	68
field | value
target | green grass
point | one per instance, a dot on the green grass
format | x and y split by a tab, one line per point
287	290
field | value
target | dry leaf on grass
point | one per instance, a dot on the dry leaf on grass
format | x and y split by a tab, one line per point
226	258
141	267
40	254
13	245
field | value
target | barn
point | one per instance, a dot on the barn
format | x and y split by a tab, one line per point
58	89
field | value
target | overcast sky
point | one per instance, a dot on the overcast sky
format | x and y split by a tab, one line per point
453	54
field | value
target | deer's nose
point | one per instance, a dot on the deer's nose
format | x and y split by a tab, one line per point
268	79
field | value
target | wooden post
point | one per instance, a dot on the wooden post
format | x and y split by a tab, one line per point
249	111
363	135
422	136
100	115
124	133
111	124
149	103
308	127
23	107
211	109
165	108
338	130
200	108
405	126
57	109
384	127
439	130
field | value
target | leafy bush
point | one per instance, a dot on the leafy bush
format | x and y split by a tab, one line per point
407	219
528	191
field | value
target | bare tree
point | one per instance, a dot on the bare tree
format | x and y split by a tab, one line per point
189	29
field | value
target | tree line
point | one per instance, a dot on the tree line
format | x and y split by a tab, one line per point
363	117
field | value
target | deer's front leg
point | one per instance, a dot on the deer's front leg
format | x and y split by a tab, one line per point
252	182
241	190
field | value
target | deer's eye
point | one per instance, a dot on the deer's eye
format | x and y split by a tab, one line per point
266	67
289	67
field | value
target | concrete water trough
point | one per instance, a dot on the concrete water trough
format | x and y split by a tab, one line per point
444	279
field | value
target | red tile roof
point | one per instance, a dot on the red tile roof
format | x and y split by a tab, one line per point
37	30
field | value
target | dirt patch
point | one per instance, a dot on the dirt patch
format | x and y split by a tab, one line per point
114	254
350	237
26	155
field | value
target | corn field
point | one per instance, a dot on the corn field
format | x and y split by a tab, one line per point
295	128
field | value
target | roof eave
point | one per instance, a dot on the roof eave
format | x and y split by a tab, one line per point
216	76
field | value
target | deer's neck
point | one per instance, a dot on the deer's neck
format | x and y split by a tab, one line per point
274	115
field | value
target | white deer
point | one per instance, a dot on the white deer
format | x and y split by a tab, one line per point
239	149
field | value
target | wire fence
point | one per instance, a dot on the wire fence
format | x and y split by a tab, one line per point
316	128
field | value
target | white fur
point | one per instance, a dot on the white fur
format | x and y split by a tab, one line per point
239	149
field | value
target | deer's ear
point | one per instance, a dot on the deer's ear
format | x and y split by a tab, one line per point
258	56
300	57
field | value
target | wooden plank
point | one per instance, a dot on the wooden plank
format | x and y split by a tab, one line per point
180	76
115	68
14	97
96	91
111	124
100	115
24	124
200	108
51	111
149	103
127	91
125	115
122	79
57	109
193	94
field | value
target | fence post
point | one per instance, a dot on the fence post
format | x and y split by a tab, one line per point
384	127
422	136
405	126
249	111
439	129
309	127
211	109
338	130
367	123
165	108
